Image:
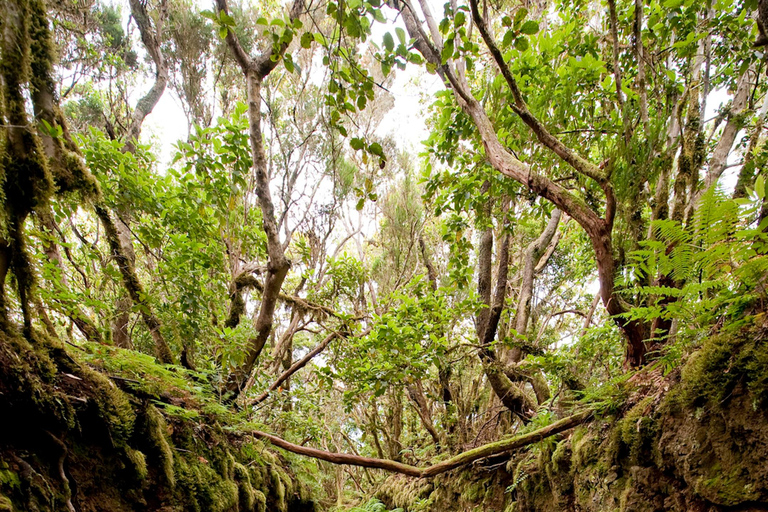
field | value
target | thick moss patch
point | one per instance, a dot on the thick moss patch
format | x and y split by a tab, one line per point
120	449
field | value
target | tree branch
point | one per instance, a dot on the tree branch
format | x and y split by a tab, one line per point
459	460
133	285
298	365
521	109
152	41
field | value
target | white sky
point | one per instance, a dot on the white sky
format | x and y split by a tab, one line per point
405	122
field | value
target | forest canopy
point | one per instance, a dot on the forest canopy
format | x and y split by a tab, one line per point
588	209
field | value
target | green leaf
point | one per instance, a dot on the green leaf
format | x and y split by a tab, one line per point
520	15
262	21
415	58
226	20
54	131
357	143
376	149
509	36
447	52
530	27
306	39
389	42
360	204
400	34
459	19
521	43
288	61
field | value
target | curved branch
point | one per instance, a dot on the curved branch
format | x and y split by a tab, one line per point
245	280
255	71
598	229
521	109
152	41
458	461
531	257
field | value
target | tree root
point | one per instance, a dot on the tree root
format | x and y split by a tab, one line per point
62	474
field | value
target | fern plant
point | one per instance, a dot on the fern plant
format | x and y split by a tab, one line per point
709	272
374	505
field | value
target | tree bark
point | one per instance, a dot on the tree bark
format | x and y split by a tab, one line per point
255	71
691	154
640	57
431	272
151	39
747	172
734	123
626	120
487	322
531	257
416	393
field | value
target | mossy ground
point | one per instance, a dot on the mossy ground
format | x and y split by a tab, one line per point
129	434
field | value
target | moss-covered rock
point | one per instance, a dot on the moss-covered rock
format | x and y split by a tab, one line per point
121	447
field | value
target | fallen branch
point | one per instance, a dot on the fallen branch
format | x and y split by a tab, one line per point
459	460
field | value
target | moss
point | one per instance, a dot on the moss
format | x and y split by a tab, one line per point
113	406
278	486
724	362
9	480
260	501
29	376
203	487
143	459
639	432
246	494
474	492
5	504
155	432
730	488
138	463
584	447
559	471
